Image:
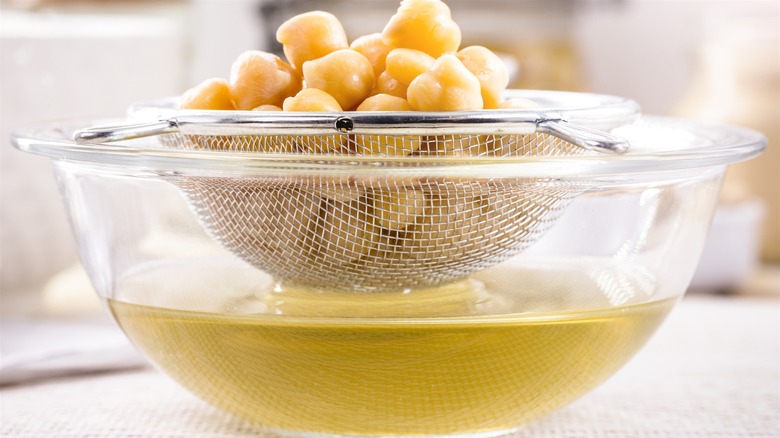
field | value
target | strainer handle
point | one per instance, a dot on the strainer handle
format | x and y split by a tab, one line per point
583	137
109	133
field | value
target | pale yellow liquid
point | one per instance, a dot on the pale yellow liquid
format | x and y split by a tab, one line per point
390	375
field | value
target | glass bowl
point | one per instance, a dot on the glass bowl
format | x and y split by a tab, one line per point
482	354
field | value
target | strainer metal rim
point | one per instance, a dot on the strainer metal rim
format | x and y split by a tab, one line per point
597	111
714	145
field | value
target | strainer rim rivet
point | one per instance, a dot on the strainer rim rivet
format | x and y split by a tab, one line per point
344	124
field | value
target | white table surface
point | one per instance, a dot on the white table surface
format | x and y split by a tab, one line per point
712	370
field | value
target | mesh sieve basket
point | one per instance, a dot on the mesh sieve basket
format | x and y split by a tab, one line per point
374	233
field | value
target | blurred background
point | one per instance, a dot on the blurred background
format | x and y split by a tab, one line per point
710	60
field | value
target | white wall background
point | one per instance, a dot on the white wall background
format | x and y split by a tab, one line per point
649	50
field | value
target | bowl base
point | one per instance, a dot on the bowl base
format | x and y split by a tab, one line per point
283	433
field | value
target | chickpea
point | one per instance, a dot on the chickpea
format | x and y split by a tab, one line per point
345	232
372	47
384	102
211	94
310	36
395	209
447	86
265	143
344	74
489	70
424	25
260	78
385	144
387	84
402	66
225	203
311	99
406	64
448	145
439	231
267	108
314	100
334	190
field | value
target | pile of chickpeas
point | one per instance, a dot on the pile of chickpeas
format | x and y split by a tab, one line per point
414	64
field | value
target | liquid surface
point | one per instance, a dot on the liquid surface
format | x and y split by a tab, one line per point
389	375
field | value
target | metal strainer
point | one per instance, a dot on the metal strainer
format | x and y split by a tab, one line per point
369	233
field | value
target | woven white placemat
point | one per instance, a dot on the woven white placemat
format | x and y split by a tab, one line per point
713	370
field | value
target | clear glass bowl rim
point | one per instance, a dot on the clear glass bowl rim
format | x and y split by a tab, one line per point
716	145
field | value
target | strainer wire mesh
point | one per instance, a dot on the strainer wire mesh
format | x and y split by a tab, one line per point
470	145
379	233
